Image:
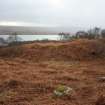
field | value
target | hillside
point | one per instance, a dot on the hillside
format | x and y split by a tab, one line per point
75	50
6	30
29	73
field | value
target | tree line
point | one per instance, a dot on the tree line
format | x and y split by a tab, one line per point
12	39
95	33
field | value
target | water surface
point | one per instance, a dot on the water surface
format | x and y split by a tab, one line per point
39	37
35	37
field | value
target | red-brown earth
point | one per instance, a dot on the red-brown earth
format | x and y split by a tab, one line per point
29	73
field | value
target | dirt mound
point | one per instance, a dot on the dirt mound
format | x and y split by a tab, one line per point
75	50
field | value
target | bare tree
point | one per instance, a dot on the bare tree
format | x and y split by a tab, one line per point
96	31
103	33
13	38
64	36
81	34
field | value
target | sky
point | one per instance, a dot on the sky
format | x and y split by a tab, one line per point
53	13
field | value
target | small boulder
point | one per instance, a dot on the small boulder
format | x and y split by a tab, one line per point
62	90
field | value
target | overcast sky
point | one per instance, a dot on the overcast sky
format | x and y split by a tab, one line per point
76	13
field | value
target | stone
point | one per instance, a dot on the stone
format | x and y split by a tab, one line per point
62	90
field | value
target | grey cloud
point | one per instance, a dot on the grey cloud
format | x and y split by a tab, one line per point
83	13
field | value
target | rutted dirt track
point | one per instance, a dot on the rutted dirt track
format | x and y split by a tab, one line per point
26	81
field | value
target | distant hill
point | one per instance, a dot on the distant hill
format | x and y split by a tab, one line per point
5	30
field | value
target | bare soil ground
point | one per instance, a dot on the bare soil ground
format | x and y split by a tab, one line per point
29	77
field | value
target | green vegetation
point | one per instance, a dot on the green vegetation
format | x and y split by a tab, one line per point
62	90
